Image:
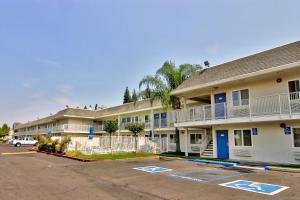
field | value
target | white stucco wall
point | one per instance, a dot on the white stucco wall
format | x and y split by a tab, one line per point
270	145
262	87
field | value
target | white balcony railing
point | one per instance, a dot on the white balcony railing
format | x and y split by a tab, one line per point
163	123
272	105
147	125
63	128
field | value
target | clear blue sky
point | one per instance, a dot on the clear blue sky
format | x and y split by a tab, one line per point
82	52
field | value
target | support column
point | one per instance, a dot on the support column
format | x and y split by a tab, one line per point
186	141
151	118
212	103
214	138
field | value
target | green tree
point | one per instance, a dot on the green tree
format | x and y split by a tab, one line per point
111	127
135	128
146	93
134	96
127	97
85	107
4	131
96	107
166	79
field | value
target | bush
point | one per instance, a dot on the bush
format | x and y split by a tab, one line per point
45	143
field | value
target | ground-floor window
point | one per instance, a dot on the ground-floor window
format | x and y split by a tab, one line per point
172	138
195	138
243	137
296	132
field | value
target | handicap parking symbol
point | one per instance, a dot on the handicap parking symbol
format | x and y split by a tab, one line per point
263	188
153	169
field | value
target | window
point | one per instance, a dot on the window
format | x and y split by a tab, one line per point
294	86
156	120
163	120
172	138
296	132
294	89
136	119
240	97
195	138
238	141
146	118
243	137
235	98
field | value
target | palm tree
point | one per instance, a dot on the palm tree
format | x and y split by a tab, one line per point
166	79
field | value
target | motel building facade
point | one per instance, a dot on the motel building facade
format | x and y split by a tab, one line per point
245	110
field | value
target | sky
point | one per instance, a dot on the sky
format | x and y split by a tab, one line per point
82	52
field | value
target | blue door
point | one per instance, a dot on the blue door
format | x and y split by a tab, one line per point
220	105
222	144
163	118
156	120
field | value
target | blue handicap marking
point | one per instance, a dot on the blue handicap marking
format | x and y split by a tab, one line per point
263	188
153	169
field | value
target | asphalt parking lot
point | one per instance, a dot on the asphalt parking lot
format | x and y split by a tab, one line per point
40	176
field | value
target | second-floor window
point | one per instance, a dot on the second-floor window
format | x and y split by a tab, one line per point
294	89
163	120
240	97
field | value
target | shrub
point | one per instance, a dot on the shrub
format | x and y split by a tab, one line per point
45	143
64	144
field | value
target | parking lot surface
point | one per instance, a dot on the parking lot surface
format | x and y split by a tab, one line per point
39	176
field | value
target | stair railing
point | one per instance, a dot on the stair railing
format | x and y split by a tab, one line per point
204	144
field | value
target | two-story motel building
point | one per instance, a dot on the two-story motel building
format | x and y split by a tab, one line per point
247	109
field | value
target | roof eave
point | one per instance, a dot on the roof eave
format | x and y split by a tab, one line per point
180	92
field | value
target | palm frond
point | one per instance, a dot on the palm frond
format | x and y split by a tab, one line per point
151	81
167	72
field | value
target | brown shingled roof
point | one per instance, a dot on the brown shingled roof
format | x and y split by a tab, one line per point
279	56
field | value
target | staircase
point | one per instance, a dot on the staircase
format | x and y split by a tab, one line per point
208	152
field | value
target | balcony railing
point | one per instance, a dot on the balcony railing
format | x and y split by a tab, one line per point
124	124
63	128
272	105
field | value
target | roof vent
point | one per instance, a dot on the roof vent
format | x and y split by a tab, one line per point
206	64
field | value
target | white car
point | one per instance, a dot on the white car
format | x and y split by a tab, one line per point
26	141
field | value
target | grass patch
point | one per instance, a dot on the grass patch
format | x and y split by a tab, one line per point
78	154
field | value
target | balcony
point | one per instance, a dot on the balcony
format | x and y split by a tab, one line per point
265	108
124	124
165	123
76	128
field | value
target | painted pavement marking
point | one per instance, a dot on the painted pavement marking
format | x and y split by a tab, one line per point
262	188
19	153
187	178
153	169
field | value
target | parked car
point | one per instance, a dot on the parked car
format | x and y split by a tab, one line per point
26	141
7	140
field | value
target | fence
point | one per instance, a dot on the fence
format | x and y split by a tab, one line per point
115	144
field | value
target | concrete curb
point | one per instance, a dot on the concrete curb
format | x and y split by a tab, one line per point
170	158
68	157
